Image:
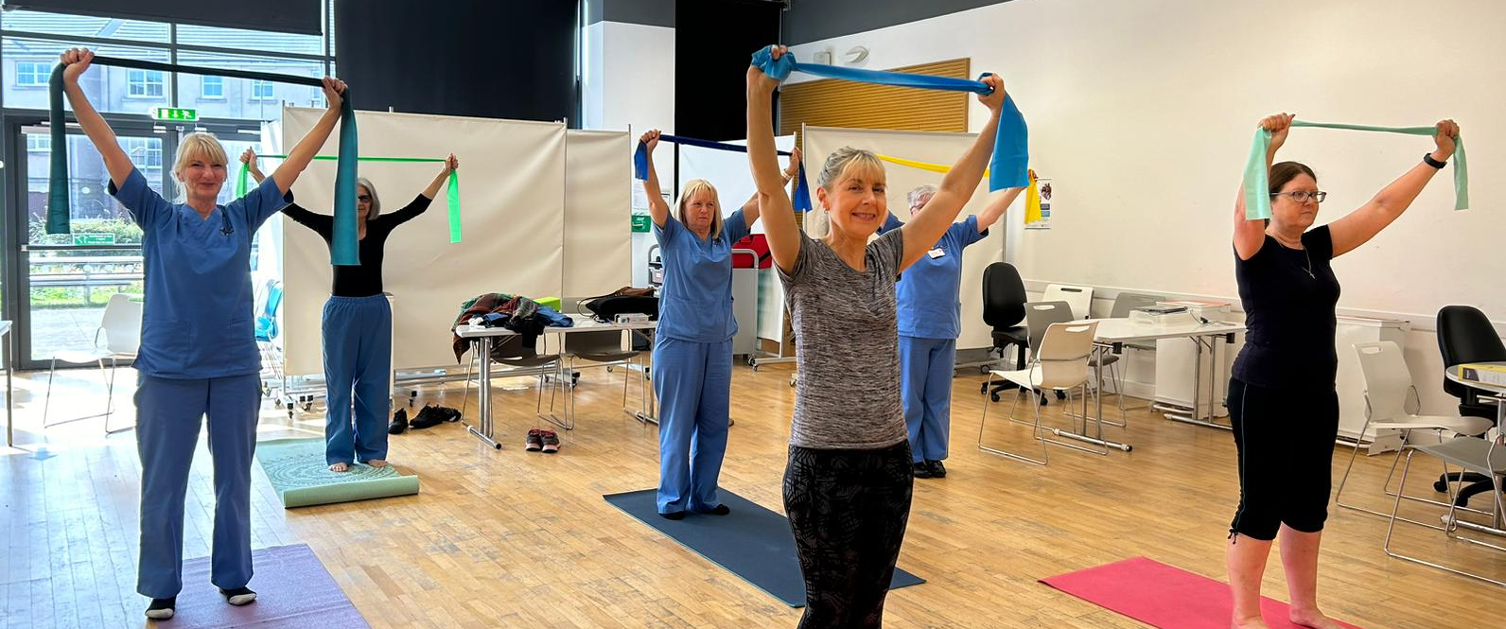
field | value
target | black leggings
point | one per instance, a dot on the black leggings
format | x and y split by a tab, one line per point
1285	439
848	510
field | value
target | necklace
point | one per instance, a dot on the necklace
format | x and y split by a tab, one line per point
1305	253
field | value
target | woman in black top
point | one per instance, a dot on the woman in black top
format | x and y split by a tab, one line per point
357	326
1282	400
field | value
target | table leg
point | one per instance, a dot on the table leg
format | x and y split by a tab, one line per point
1196	416
484	346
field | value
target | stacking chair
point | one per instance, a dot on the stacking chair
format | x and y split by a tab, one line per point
1485	457
120	328
1388	390
513	353
602	349
1466	335
1124	303
1060	364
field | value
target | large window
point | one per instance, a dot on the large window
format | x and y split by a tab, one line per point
212	87
144	83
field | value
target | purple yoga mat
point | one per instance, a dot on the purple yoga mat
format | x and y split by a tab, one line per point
292	590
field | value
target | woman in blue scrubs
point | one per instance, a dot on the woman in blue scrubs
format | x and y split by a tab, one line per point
930	318
198	351
692	365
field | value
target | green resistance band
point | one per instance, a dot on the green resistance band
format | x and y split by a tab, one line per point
452	190
1257	176
344	250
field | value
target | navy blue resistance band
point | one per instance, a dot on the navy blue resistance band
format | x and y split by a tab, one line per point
802	200
344	250
1011	158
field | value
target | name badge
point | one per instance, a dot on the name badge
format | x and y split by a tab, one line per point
936	253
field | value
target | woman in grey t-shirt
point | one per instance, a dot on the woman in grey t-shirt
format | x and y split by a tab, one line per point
848	481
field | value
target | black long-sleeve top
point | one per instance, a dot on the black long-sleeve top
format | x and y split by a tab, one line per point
364	280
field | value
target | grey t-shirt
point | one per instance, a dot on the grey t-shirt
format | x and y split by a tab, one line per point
846	346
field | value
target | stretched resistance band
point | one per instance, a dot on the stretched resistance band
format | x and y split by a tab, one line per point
452	189
343	251
1032	196
1257	176
801	201
1011	146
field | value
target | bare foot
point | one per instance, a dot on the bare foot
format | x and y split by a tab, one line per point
1249	623
376	462
1311	618
338	467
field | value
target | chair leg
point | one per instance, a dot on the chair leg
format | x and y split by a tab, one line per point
1036	433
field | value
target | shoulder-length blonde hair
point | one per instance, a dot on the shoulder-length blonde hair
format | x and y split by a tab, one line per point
692	188
198	146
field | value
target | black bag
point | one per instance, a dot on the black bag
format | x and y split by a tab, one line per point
607	307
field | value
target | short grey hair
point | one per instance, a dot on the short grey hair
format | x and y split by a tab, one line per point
376	203
921	192
842	159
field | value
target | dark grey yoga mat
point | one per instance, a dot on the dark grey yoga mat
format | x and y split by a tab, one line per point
293	590
752	542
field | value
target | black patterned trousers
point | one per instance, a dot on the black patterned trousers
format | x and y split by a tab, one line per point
848	510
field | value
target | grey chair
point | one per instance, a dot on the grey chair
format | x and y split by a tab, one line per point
511	352
601	349
1039	315
1486	457
1125	303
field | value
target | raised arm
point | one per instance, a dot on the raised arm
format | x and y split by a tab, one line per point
450	165
1359	226
657	208
303	153
75	62
927	226
750	208
1250	235
775	207
996	208
248	157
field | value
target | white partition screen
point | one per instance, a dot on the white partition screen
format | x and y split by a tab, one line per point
598	212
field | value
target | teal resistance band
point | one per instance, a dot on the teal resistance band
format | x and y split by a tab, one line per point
452	189
343	251
1257	176
1011	158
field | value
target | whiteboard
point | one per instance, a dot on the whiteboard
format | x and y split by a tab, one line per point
936	148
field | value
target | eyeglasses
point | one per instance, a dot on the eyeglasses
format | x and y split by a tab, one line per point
365	198
1301	196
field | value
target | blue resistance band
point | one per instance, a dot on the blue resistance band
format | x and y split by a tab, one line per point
802	200
1011	146
344	250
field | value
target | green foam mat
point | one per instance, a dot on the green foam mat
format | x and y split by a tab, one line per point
298	472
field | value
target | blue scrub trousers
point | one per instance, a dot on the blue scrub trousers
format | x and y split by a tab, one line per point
357	359
926	367
694	384
168	414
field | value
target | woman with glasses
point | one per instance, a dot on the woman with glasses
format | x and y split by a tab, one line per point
930	319
1282	400
357	325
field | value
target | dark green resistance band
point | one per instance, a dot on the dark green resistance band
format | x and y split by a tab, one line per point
344	250
452	189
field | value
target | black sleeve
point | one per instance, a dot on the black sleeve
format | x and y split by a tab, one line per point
322	224
1320	242
408	213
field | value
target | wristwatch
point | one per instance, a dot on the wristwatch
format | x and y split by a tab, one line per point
1427	158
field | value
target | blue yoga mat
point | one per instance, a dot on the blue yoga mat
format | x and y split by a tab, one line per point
752	542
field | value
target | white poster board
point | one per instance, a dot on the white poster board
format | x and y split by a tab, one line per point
598	212
512	181
935	148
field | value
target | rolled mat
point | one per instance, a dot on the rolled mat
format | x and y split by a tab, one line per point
1257	175
344	249
452	189
298	472
1011	145
801	200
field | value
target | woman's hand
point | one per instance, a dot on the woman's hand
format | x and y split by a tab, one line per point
995	99
451	164
1447	131
248	157
794	169
76	60
333	90
1279	125
650	140
760	82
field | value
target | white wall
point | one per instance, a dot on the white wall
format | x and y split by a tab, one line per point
1141	113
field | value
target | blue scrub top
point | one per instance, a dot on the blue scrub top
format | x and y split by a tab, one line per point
196	318
927	293
696	302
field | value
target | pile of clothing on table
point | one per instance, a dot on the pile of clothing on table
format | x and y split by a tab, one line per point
515	312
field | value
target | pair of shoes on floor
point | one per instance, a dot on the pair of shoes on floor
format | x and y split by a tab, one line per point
164	608
432	415
399	422
545	441
930	469
680	515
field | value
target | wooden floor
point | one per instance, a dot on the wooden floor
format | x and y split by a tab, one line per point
509	538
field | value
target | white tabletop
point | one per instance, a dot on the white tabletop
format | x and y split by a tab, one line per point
1452	373
582	324
1124	330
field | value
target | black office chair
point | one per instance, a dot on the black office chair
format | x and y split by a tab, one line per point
1465	335
1004	310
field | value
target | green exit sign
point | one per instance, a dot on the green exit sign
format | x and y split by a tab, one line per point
94	239
641	223
176	114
